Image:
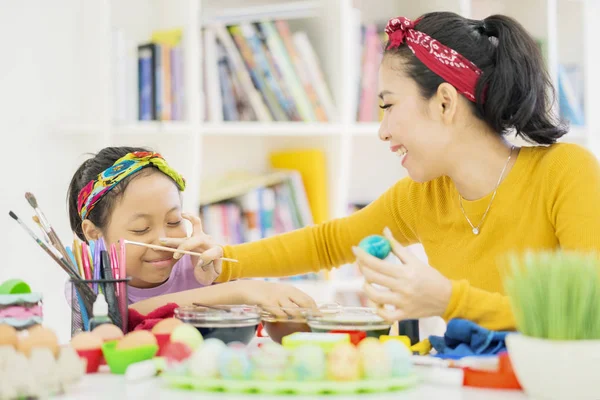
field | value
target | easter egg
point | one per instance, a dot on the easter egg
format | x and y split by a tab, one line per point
376	245
166	326
343	363
204	363
187	334
270	361
38	337
176	352
374	359
8	336
399	357
108	332
86	341
235	364
136	339
307	363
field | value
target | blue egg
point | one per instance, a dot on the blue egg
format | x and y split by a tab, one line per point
234	363
400	358
376	245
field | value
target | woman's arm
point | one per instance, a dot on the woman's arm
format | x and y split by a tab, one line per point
260	293
487	309
329	244
572	195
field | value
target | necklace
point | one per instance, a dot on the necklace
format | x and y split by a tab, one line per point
476	229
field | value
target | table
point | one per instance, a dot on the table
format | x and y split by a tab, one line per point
107	386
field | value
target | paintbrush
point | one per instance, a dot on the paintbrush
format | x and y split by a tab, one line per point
48	248
87	296
39	224
46	225
156	247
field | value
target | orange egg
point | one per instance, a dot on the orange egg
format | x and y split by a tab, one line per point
136	339
38	337
166	326
86	341
8	335
108	332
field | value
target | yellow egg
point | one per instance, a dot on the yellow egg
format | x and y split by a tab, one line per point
343	363
108	332
166	326
86	341
136	339
38	337
8	336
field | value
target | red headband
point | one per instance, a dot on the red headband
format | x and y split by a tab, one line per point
443	61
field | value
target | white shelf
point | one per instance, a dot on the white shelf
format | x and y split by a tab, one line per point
365	129
144	128
272	129
272	10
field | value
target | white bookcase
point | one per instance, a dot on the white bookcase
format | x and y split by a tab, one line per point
360	167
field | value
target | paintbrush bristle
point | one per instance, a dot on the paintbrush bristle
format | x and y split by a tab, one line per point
31	199
36	219
13	215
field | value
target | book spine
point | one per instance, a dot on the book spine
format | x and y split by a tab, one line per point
146	83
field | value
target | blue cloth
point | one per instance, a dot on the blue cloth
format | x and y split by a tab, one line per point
466	338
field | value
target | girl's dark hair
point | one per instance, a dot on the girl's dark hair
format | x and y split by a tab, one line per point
88	171
519	92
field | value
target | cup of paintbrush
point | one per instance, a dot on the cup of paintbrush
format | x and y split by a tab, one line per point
108	287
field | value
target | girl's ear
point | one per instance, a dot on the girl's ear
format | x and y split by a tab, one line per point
90	231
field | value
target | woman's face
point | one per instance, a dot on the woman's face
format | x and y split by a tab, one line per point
149	209
411	124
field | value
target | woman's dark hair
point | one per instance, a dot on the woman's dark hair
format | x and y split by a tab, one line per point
88	171
519	93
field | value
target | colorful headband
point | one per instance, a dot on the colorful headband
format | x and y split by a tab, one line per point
443	61
129	164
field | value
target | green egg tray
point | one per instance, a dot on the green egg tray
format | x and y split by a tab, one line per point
289	387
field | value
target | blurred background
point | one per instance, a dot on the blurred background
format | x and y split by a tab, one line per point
268	108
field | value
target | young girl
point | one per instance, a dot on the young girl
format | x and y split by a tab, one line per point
452	88
132	193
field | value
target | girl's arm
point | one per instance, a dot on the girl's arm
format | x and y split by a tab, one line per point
248	292
329	244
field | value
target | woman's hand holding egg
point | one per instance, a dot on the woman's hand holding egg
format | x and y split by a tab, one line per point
416	290
208	266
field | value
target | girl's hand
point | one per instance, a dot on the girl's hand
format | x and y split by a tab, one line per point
416	290
273	296
208	266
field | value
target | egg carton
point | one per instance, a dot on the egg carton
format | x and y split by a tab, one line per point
187	382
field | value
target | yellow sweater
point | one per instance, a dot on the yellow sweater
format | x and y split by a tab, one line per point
549	199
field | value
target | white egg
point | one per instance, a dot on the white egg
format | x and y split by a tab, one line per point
204	362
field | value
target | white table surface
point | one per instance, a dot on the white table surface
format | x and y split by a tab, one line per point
114	387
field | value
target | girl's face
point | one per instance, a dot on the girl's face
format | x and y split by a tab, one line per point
149	209
411	124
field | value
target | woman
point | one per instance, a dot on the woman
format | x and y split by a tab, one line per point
452	88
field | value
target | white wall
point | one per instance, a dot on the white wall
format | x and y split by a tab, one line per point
38	77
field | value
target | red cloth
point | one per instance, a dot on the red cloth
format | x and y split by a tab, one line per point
138	321
443	61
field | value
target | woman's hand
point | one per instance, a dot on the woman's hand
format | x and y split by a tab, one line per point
208	266
415	289
273	296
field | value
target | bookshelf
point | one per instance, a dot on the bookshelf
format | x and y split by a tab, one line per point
200	148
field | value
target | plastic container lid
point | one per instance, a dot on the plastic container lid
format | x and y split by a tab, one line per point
294	314
229	317
346	318
14	286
